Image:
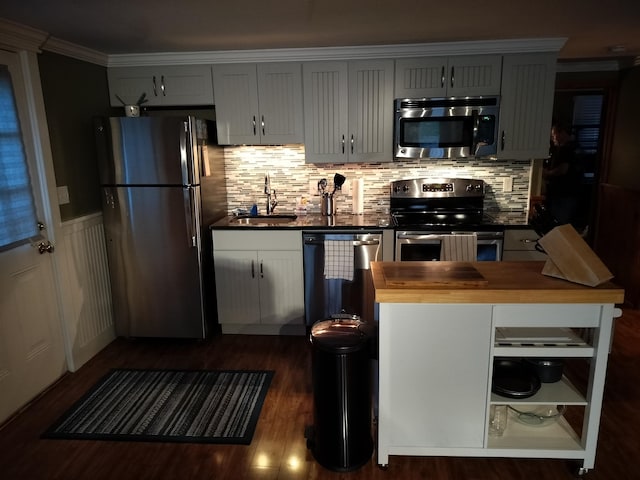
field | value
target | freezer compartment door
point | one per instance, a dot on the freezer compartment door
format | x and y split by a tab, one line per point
154	262
150	150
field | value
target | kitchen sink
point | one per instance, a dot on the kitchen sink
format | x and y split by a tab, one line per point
264	219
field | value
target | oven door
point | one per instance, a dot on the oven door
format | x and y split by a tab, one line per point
425	246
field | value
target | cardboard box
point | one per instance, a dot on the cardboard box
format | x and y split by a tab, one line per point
570	258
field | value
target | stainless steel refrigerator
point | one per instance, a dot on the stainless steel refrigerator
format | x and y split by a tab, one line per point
162	185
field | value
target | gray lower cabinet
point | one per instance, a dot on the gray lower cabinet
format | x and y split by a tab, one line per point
259	281
520	245
348	111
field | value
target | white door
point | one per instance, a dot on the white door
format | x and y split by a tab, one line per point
31	346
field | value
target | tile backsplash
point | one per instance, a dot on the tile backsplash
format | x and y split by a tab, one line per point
246	167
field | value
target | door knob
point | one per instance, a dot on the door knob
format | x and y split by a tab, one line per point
45	247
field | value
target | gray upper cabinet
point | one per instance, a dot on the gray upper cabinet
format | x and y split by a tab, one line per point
348	111
528	82
164	86
258	104
448	76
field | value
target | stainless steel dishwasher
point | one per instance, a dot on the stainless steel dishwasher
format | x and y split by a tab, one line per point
353	294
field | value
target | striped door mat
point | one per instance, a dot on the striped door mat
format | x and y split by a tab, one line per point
199	406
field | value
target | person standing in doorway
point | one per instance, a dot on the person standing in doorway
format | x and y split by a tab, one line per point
562	178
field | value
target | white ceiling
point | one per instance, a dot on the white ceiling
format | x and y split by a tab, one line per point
591	27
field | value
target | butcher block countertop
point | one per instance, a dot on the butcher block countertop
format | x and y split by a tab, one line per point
481	282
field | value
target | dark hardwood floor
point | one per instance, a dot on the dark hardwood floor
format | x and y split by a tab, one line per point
278	450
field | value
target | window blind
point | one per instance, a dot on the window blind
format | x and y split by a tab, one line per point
586	121
17	209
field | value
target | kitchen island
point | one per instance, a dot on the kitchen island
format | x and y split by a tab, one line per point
442	324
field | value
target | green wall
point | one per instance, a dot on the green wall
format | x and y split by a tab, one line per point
74	92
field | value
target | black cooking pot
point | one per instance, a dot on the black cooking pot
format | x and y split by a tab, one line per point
549	370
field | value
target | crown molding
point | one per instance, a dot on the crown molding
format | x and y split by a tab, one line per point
78	52
15	37
339	53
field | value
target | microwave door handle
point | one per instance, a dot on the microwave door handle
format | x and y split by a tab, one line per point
476	123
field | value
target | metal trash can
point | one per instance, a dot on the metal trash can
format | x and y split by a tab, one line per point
340	438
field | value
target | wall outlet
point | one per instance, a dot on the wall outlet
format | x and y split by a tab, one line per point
63	195
507	184
313	187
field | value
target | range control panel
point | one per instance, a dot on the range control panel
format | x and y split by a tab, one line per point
426	187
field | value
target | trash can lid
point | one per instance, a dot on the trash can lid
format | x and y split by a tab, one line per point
341	334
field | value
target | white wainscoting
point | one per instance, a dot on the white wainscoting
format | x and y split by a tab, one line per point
86	290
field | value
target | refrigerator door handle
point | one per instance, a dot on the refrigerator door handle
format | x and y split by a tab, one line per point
185	160
189	213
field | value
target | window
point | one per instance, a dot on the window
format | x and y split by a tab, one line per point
17	209
586	121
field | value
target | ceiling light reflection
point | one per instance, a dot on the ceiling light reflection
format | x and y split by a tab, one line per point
262	460
294	463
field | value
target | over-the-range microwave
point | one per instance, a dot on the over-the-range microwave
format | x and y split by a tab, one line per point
450	127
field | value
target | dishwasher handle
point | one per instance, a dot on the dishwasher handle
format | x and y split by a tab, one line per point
356	243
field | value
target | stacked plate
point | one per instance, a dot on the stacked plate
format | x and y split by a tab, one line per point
512	379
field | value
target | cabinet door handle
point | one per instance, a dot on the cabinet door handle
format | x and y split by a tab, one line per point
253	270
442	79
155	89
453	75
262	124
352	142
261	270
164	94
502	141
254	124
343	144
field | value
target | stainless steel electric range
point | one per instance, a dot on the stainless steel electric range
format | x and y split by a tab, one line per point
424	210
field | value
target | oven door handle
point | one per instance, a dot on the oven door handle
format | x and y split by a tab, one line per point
414	236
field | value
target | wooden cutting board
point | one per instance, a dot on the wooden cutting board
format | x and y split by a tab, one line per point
432	274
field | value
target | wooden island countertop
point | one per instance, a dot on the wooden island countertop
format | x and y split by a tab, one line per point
481	282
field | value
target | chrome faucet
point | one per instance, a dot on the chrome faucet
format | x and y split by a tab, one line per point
272	199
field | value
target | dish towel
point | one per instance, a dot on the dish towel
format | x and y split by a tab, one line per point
338	259
459	248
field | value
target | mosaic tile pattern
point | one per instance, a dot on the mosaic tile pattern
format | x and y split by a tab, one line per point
246	167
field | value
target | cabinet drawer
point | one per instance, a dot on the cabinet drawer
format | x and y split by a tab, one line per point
547	315
252	240
520	239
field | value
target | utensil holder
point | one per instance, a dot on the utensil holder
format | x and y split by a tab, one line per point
328	205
